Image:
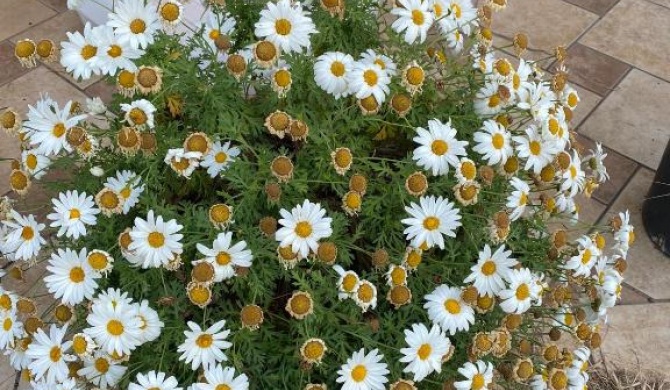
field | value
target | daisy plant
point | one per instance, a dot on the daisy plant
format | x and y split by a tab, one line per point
335	194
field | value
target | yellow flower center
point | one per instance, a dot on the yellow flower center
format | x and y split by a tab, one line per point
301	304
221	157
523	199
18	180
498	141
137	116
27	233
156	239
283	26
494	100
456	10
415	75
431	223
266	51
303	229
5	302
418	17
77	275
337	69
452	306
126	79
125	192
138	26
58	130
197	142
109	200
75	214
535	148
223	258
573	100
79	345
398	276
222	387
468	170
314	350
102	365
424	351
214	34
370	77
573	171
114	51
586	257
439	147
353	200
522	292
115	328
489	268
478	381
25	48
349	282
7	324
88	51
205	340
199	295
31	161
282	78
170	12
220	213
359	373
55	354
365	293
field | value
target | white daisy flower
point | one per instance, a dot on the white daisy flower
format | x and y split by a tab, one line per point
348	282
569	97
182	162
595	160
303	227
115	54
128	185
135	22
286	25
204	348
430	220
385	62
114	326
415	17
522	290
447	309
491	270
587	255
364	371
216	27
153	380
79	55
574	177
150	324
155	240
487	100
578	376
368	79
219	158
8	301
11	329
365	295
47	126
139	113
219	377
22	239
493	143
83	345
35	163
113	297
425	350
555	128
455	41
71	278
170	13
518	199
17	355
439	147
330	73
478	376
72	213
225	257
95	106
536	98
102	371
49	355
464	14
535	149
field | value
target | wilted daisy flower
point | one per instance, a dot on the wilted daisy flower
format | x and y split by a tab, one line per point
219	158
219	377
83	345
365	295
439	147
368	79
47	126
573	177
595	161
182	162
25	51
493	142
113	53
218	29
72	212
537	151
225	256
204	348
518	199
11	329
300	305
22	239
109	201
286	25
10	120
71	278
430	220
80	54
415	18
49	355
446	308
154	380
313	350
520	293
156	240
364	371
413	77
139	113
348	282
330	73
425	350
170	13
478	375
35	163
491	270
135	22
129	187
303	227
149	79
102	371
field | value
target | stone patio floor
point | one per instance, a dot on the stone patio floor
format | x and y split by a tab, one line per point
620	63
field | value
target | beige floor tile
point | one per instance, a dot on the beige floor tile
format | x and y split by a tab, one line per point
7	374
587	102
633	120
11	67
548	23
18	15
58	5
648	269
594	70
55	29
637	337
630	296
635	31
590	211
599	7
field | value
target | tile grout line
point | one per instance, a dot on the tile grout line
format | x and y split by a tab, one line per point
50	6
637	290
618	194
